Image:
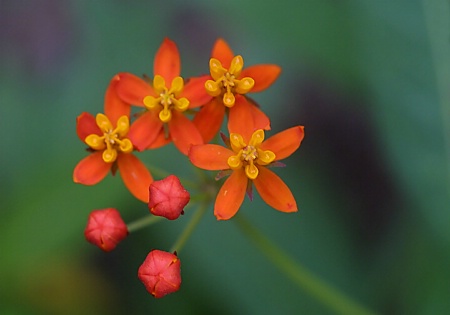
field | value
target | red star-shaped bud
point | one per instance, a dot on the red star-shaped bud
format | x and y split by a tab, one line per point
167	197
160	273
105	229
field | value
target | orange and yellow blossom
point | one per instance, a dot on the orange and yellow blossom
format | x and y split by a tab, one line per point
166	99
110	147
228	84
248	159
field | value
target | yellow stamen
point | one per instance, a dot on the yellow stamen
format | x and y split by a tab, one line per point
96	142
109	155
168	98
112	141
216	69
165	115
251	170
123	125
103	122
236	65
226	82
257	137
245	85
229	99
265	157
177	85
213	88
125	145
234	162
150	102
159	84
237	142
181	104
249	156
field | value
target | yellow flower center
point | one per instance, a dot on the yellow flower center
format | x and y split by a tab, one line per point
249	155
226	82
113	140
167	99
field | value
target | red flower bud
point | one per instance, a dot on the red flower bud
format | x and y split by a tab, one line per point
160	273
105	229
168	197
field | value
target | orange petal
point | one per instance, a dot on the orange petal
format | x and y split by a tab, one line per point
161	140
135	175
222	52
183	132
211	157
264	75
231	195
86	125
195	91
284	143
274	191
114	106
91	170
260	119
145	130
167	61
241	119
132	89
209	119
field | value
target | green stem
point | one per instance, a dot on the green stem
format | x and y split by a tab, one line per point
300	275
437	18
190	227
143	222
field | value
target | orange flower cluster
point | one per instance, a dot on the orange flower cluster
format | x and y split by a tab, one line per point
166	99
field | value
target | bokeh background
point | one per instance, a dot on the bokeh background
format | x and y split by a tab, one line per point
370	82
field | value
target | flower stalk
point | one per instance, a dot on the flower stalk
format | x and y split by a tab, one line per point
300	275
190	227
143	222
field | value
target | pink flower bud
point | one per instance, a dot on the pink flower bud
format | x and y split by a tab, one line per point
105	229
160	273
168	197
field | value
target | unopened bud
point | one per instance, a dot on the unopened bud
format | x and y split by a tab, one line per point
105	229
167	197
160	273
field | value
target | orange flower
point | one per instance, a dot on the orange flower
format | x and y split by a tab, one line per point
110	147
228	85
165	98
247	159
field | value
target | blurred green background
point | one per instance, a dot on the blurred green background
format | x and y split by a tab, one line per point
370	82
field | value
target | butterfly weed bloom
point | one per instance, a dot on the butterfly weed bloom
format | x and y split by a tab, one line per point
160	273
248	158
228	85
167	197
105	229
110	148
166	99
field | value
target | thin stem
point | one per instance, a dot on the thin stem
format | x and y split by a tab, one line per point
143	222
300	275
182	239
437	18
